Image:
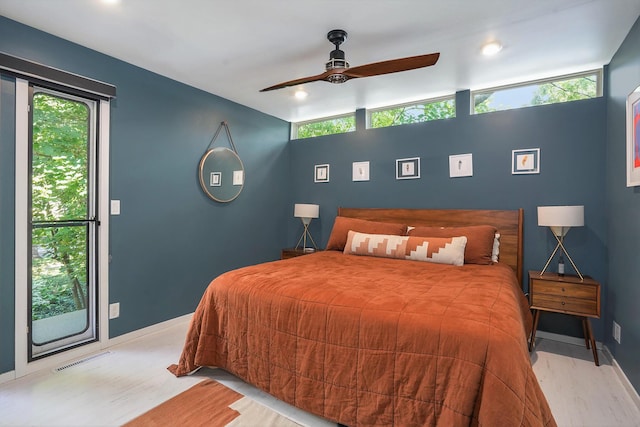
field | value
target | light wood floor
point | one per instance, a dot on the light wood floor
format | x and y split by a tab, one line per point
131	378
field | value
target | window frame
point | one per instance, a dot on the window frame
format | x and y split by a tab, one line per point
89	334
426	101
22	365
599	88
296	125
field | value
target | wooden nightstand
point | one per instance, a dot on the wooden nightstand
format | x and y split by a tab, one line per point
293	252
565	294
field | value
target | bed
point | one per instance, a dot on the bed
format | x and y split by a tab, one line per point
380	340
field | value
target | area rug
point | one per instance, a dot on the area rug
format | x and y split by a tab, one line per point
211	404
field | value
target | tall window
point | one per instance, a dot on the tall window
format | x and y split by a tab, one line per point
63	225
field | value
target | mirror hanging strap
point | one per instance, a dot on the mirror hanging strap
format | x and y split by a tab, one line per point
224	125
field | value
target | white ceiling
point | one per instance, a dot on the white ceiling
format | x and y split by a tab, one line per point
235	48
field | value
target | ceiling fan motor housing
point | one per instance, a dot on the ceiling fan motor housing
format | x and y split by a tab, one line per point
336	57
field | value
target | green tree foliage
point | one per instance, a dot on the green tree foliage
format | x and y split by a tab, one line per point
59	192
552	92
482	103
568	90
395	116
416	113
327	127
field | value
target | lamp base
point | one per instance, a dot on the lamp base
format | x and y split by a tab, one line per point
561	246
303	239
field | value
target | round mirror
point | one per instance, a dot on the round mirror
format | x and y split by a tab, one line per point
221	174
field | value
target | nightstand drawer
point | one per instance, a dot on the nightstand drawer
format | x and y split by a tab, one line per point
540	286
564	304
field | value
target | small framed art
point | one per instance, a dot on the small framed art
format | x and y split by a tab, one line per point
460	165
360	171
633	138
525	161
408	168
238	177
215	179
321	173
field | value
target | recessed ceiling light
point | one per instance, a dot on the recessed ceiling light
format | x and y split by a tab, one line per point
301	94
110	1
491	48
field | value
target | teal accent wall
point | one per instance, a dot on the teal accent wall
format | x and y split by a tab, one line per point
170	240
623	213
571	137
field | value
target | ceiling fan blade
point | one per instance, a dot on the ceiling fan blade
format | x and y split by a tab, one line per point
392	66
297	82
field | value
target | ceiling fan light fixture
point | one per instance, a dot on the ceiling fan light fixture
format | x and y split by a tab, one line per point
337	78
491	48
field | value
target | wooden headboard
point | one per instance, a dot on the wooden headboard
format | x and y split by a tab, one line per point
509	224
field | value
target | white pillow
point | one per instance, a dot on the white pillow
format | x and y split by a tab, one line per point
496	248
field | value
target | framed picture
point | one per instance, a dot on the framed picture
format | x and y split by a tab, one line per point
633	139
321	173
525	161
408	168
215	179
238	177
460	165
361	171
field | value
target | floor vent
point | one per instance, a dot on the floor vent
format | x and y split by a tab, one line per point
78	362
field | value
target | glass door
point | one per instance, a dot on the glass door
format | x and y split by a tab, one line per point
62	265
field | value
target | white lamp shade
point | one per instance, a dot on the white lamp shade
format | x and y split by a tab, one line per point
302	210
561	216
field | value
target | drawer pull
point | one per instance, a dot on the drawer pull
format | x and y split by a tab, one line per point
562	289
562	302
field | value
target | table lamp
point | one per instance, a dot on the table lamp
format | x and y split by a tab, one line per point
306	213
560	219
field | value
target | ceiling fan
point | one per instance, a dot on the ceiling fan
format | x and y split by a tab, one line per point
338	70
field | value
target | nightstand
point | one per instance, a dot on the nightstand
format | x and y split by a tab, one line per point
565	294
293	252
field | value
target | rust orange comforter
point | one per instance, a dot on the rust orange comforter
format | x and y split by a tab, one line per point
374	342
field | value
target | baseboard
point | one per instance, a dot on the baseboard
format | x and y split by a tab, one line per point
623	378
148	330
7	376
66	357
565	339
